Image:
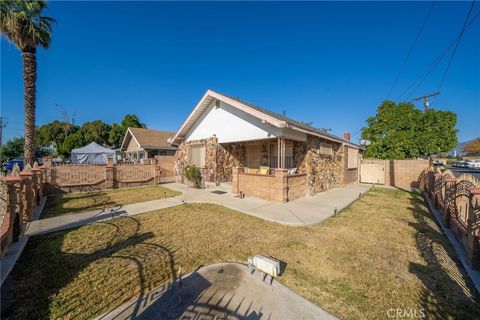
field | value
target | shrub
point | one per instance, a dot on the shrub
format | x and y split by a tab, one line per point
193	174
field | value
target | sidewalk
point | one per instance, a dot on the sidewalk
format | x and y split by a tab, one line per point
301	212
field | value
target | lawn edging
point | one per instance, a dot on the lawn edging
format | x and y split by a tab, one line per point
472	273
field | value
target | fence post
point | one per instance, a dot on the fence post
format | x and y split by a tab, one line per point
437	189
109	174
47	165
157	171
28	196
473	228
12	227
449	200
281	184
235	172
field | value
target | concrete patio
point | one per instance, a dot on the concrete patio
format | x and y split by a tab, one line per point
219	291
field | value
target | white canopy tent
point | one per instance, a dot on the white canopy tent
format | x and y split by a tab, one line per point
92	154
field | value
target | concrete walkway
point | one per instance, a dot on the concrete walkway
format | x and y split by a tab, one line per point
219	291
301	212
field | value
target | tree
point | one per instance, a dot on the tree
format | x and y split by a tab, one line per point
12	149
53	133
400	131
74	140
132	121
23	24
97	131
473	147
116	135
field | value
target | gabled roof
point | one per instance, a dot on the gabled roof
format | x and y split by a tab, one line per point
148	138
265	115
93	147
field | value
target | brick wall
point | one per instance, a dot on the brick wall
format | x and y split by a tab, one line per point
297	186
404	173
349	175
267	187
86	177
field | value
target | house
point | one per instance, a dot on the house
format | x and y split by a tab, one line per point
140	143
262	153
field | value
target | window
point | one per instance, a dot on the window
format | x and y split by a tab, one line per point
197	155
288	155
352	158
254	155
326	148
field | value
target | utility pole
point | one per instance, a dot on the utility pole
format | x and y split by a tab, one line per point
425	99
3	124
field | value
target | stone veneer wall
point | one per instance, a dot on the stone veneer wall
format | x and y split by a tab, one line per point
323	171
219	159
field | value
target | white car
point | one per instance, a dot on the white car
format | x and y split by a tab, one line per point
473	164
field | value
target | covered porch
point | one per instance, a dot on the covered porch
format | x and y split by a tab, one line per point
271	170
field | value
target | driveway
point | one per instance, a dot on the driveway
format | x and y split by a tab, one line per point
219	291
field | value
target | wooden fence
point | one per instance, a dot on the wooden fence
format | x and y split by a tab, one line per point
458	200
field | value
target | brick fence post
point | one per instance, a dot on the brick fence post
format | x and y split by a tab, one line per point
109	174
235	179
10	232
281	185
157	173
47	165
28	195
473	228
38	173
449	200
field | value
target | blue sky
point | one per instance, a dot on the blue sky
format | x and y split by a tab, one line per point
331	63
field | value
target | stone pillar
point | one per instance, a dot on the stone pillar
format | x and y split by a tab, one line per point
157	171
109	174
39	175
28	195
281	185
437	189
235	179
473	229
450	187
47	165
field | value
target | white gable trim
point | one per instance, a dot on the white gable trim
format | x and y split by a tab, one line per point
125	138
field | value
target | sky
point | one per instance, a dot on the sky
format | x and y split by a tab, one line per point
329	63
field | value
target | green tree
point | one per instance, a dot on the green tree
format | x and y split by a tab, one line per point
132	121
12	149
74	140
53	133
400	131
23	24
97	131
117	132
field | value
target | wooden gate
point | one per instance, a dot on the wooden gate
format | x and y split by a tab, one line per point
373	172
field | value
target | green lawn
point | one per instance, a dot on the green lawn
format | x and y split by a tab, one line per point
84	201
382	252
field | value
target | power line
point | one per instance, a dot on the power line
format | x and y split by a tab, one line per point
456	45
410	50
432	66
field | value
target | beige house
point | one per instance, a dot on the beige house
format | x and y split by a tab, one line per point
262	153
139	144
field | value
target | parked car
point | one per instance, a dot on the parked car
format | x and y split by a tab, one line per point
460	164
11	163
473	164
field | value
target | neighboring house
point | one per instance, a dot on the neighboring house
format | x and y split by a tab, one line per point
262	153
140	143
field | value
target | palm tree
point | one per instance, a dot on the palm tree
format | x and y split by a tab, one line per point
22	23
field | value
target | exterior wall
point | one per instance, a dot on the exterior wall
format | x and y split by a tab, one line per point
241	126
219	159
350	175
133	146
297	186
324	172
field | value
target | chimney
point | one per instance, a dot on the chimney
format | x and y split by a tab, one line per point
346	136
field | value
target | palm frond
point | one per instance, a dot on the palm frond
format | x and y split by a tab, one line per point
23	24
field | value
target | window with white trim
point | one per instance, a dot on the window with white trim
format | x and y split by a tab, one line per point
197	155
352	160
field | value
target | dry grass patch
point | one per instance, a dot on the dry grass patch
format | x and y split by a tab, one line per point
84	201
383	252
